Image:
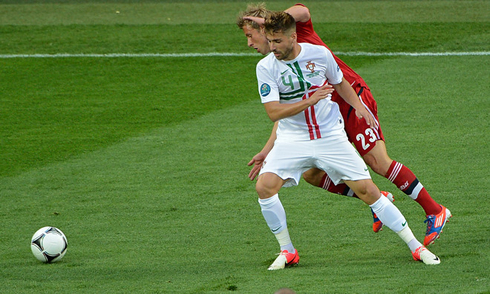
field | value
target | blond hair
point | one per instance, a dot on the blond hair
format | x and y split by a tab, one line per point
257	10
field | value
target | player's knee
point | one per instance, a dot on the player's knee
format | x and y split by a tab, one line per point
377	165
362	192
262	190
366	190
381	168
267	186
378	159
374	165
313	176
308	177
372	193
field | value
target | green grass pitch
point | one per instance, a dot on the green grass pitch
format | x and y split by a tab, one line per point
141	161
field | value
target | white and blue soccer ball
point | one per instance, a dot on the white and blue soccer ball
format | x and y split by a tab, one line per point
49	244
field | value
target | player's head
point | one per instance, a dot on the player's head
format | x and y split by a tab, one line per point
254	10
280	31
252	30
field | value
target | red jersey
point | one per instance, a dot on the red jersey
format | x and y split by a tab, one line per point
358	132
306	34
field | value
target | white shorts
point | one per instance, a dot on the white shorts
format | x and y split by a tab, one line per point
334	154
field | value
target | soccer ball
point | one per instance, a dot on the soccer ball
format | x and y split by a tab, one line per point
49	244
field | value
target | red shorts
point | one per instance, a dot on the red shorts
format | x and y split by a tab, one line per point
359	133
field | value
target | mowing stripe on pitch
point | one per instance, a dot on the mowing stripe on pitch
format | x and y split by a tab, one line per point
216	54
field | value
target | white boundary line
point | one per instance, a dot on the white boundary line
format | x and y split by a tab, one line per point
414	53
117	55
216	54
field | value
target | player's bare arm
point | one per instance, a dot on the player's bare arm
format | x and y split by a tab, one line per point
299	13
349	95
277	110
258	160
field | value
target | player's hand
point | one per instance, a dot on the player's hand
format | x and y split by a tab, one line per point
257	162
322	93
364	114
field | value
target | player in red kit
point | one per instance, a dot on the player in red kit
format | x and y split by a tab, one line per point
368	140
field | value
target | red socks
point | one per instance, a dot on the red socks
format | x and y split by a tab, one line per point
406	181
341	189
399	175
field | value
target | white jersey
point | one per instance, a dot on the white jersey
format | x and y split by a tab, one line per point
294	80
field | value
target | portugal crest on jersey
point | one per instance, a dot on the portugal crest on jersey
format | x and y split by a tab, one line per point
310	66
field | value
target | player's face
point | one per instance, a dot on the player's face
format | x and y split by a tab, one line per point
256	40
282	45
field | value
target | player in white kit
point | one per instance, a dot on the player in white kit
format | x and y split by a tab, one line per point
318	129
295	82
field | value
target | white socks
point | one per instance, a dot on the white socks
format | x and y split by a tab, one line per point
285	241
275	216
407	236
390	216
